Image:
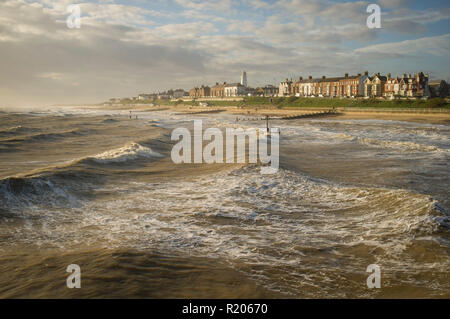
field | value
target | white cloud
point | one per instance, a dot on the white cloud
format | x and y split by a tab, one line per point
121	50
391	3
436	45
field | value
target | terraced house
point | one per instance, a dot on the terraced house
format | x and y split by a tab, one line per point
346	86
202	91
360	85
374	85
285	88
218	90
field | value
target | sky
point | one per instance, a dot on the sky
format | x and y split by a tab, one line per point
124	48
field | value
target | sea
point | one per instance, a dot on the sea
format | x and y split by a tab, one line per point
97	188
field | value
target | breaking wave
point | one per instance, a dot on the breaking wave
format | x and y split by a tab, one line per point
131	151
56	185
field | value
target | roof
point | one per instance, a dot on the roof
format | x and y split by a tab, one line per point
233	84
333	79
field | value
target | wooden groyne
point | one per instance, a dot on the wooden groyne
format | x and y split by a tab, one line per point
290	117
201	112
308	115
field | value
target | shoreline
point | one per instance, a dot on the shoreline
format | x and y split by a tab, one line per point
406	115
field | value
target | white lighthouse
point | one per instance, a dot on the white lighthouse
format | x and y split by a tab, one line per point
244	79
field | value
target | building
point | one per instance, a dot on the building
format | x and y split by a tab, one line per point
164	96
234	89
407	86
285	88
418	85
352	86
142	97
178	94
304	87
325	87
218	90
203	91
374	86
392	86
269	90
244	79
346	86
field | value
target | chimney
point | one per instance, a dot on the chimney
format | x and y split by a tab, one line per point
310	77
366	72
323	77
300	78
346	75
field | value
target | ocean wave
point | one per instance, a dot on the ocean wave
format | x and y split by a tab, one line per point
58	184
288	209
18	192
46	137
240	216
14	130
131	151
402	145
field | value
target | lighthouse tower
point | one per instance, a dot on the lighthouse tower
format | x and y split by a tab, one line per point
244	79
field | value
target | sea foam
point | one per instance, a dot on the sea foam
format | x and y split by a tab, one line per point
131	151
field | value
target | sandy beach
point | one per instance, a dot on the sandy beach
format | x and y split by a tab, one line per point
425	116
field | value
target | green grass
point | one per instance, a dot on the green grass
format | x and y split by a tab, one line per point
299	102
291	102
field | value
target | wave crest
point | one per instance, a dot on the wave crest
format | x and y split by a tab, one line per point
131	151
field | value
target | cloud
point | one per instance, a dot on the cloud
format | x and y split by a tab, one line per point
122	50
436	45
190	30
46	59
302	6
391	3
206	5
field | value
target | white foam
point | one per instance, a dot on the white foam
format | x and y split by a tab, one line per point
128	152
402	145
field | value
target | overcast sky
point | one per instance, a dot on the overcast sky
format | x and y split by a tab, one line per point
128	47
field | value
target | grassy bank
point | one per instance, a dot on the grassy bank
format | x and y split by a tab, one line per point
298	102
294	102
